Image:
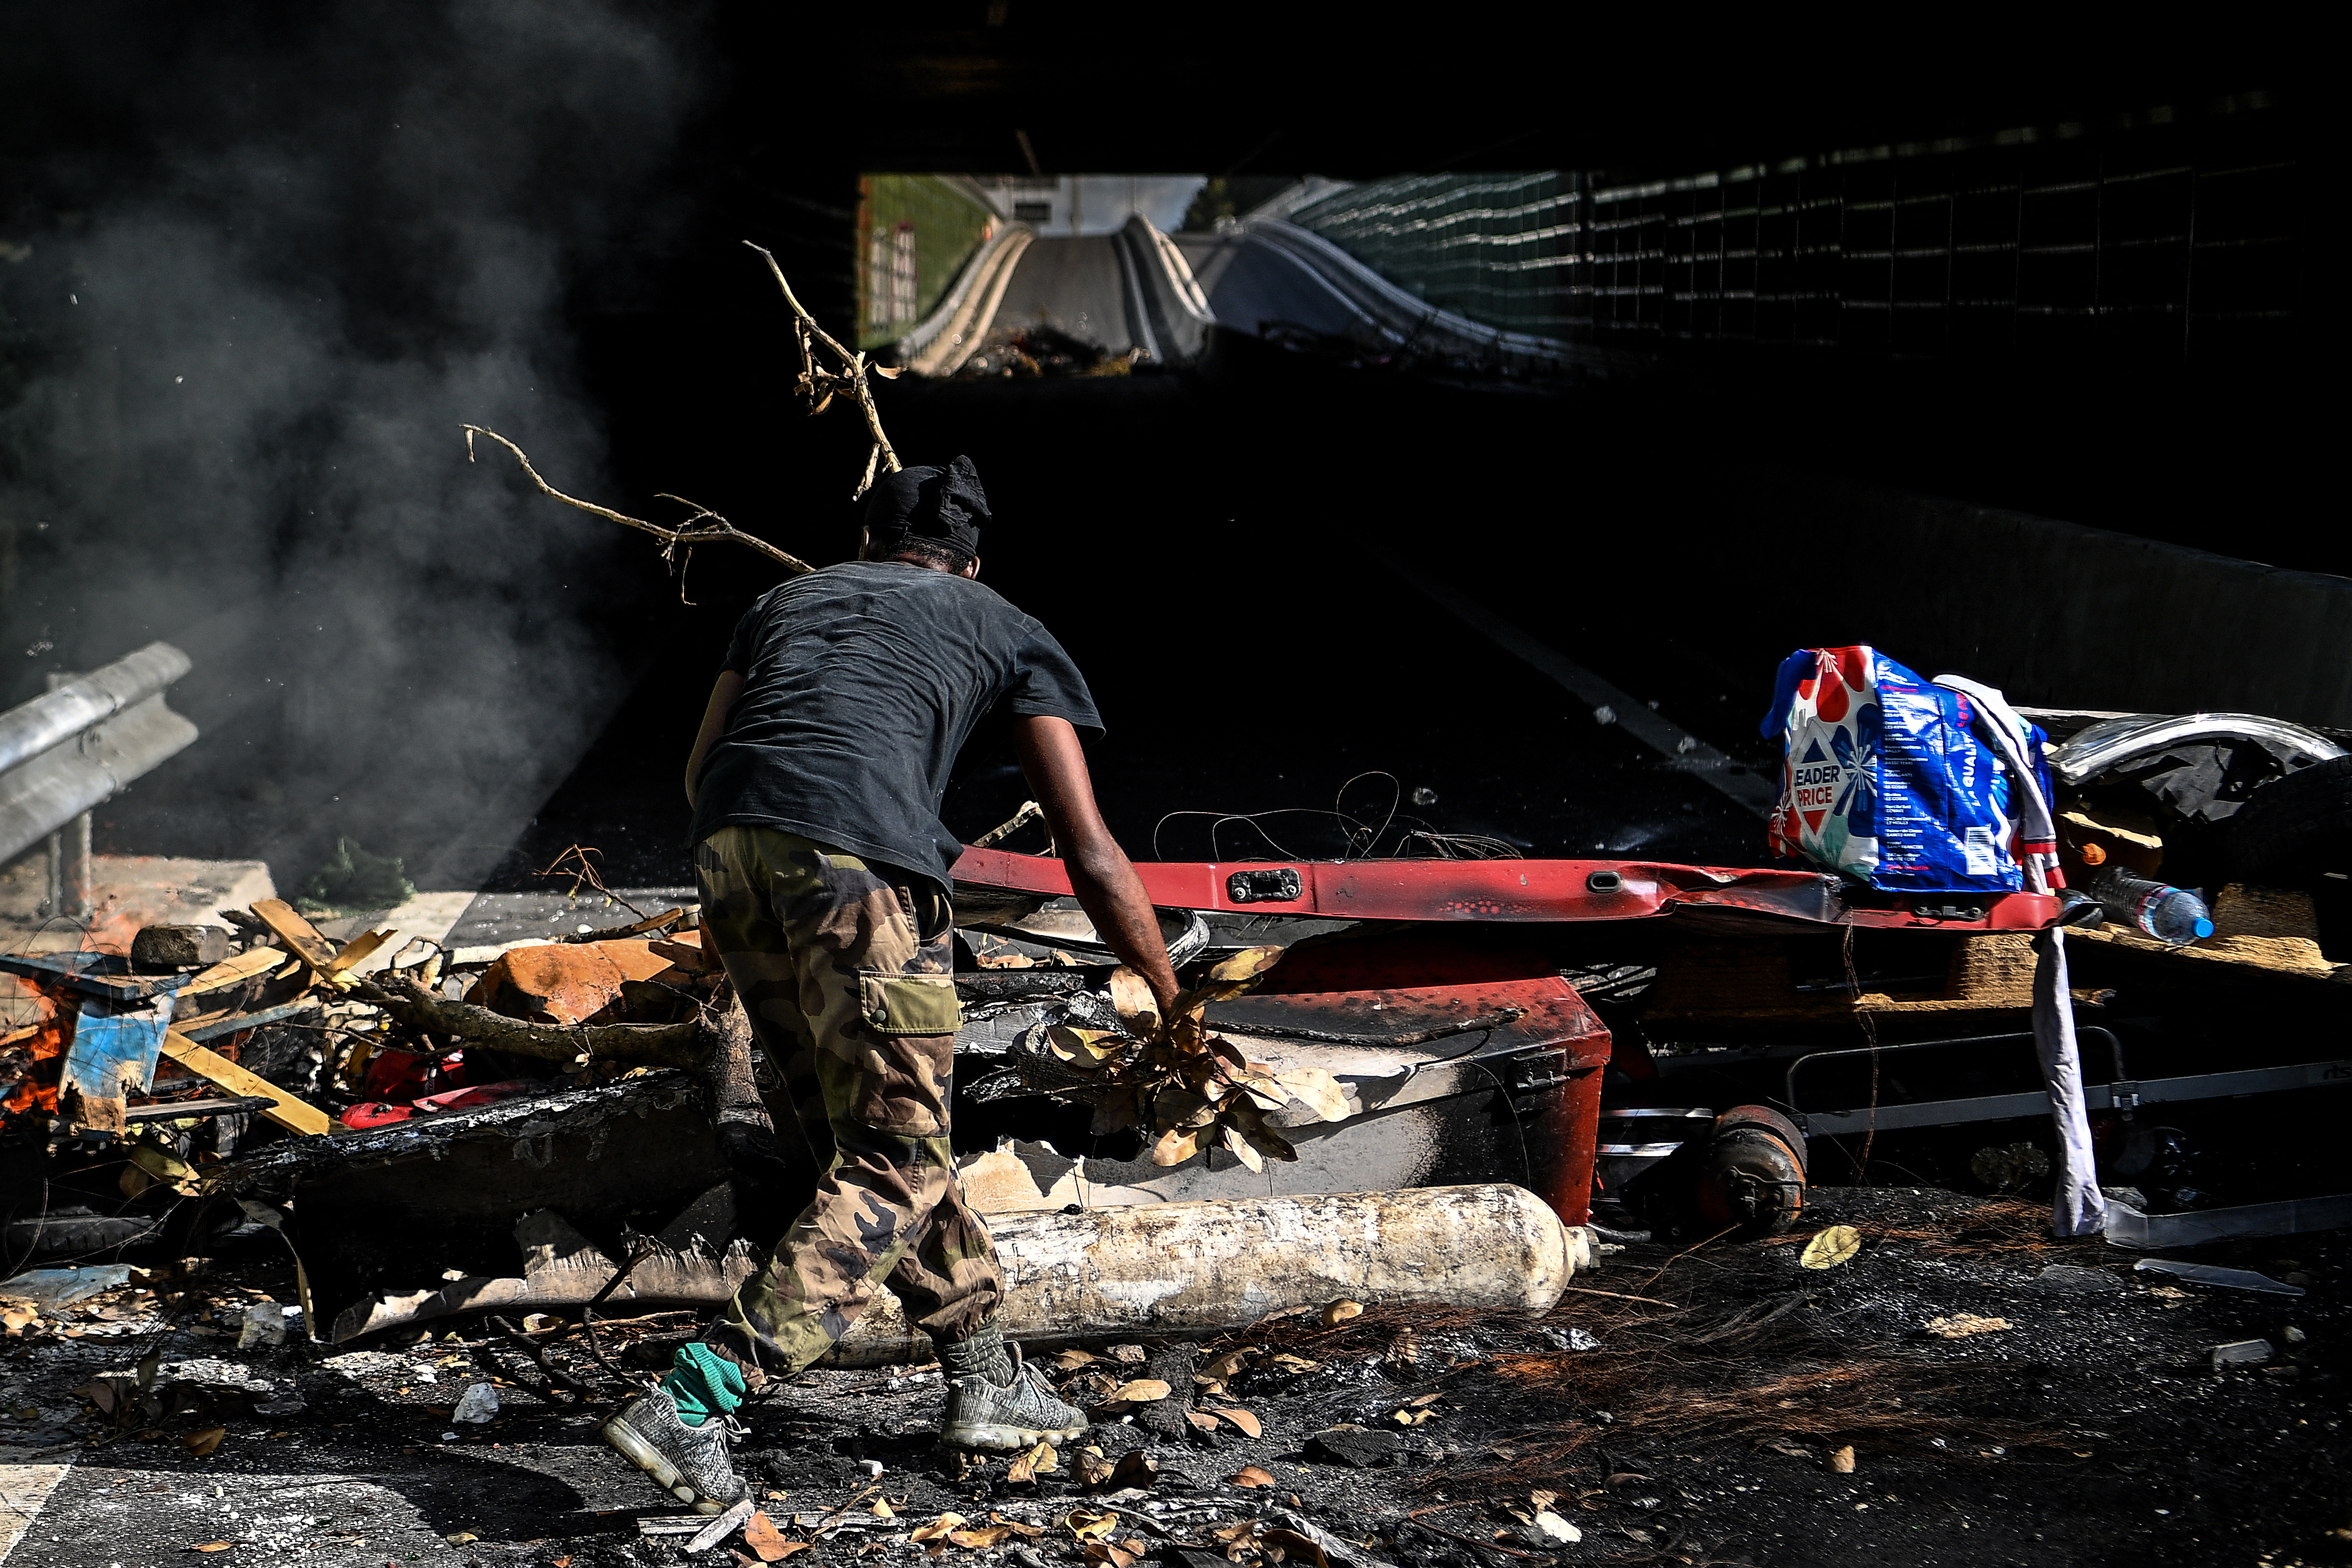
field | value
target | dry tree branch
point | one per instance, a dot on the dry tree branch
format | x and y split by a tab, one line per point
705	527
822	385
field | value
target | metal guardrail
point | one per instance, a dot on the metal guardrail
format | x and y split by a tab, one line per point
1175	312
951	334
1395	320
64	752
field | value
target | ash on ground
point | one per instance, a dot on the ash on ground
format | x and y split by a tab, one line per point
1963	1390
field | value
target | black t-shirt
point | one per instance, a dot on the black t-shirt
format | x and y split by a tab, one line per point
862	683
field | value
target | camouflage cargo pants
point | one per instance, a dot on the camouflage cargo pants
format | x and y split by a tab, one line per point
845	972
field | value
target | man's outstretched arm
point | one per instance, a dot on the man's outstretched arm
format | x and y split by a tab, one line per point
714	728
1100	873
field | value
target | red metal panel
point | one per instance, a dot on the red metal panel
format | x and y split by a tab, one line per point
1352	988
1565	1141
1510	890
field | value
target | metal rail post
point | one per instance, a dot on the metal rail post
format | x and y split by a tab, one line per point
69	886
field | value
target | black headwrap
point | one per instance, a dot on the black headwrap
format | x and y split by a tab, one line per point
945	504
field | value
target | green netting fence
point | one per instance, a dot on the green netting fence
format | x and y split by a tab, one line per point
915	232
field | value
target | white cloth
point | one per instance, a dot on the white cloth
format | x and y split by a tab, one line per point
2005	732
2077	1208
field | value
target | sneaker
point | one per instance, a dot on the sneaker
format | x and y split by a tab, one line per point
691	1461
997	1401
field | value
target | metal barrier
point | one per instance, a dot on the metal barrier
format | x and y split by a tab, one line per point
62	753
1175	312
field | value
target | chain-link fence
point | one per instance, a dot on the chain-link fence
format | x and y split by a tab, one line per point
2161	237
1498	248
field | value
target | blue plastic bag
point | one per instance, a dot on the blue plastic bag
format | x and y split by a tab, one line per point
1885	780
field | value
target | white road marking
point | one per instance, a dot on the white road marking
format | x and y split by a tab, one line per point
23	1489
426	917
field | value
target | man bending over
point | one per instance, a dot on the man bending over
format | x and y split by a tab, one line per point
815	784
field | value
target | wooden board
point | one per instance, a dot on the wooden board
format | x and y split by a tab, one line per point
358	951
284	1110
295	932
235	970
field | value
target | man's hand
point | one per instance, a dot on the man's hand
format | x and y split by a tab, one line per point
1100	873
714	728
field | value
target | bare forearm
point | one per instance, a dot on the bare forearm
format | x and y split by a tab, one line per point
1100	873
1112	895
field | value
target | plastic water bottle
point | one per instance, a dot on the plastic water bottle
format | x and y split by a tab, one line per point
2166	913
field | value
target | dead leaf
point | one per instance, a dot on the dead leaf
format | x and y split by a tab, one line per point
1091	1389
938	1528
1092	1468
1289	1362
1843	1460
1240	1112
563	1563
1244	1420
1070	1360
1418	1400
1135	1469
1294	1545
1084	1048
1141	1391
1175	1146
1089	1525
212	1546
1251	1476
1116	1556
768	1542
1116	1110
988	1535
15	1316
1317	1091
1182	1108
1961	1325
1202	1419
1832	1246
204	1442
1237	1144
1248	965
1026	1466
1225	1366
1543	1499
1026	1532
1131	998
1340	1311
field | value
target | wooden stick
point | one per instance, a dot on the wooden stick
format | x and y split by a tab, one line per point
705	527
854	1499
1420	1523
1620	1296
852	376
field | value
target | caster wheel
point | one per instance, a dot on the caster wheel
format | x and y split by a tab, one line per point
1752	1175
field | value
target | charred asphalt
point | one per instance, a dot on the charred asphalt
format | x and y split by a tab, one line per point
1700	1424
